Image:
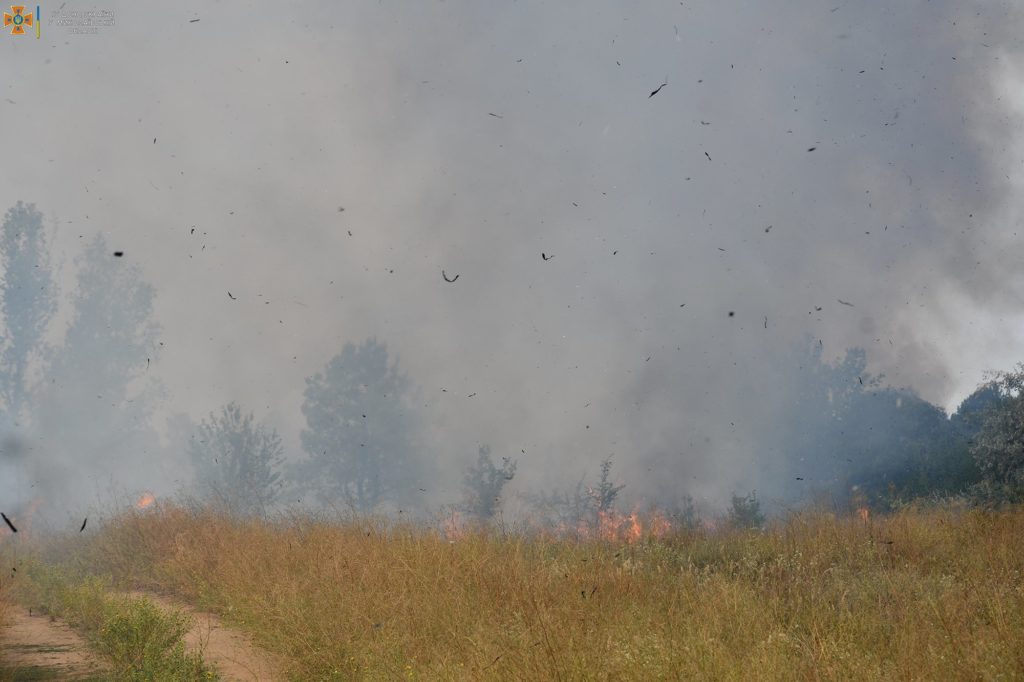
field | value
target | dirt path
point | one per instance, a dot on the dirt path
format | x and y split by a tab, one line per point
32	647
230	651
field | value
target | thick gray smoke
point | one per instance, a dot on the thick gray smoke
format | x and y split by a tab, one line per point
325	161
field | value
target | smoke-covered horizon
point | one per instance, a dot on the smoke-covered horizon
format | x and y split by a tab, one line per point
805	171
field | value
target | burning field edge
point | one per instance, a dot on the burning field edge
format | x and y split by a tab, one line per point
922	594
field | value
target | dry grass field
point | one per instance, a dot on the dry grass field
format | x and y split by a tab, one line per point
926	595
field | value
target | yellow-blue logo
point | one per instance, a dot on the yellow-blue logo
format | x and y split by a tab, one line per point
17	20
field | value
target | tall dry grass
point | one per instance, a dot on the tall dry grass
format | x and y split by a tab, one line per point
921	595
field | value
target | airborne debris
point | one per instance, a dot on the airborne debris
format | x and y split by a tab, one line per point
545	256
657	90
812	149
494	115
707	155
84	521
8	522
445	276
192	21
845	302
118	254
231	296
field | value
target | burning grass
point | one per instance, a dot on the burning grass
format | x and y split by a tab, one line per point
920	595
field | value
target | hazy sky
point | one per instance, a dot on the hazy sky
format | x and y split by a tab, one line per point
472	136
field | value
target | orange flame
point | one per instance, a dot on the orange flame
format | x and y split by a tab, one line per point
145	499
614	526
611	526
633	528
659	525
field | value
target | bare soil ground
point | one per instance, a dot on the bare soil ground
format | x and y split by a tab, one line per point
37	647
34	647
230	651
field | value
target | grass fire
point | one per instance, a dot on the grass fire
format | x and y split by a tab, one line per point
922	594
550	340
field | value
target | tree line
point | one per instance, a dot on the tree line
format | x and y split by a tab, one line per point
88	397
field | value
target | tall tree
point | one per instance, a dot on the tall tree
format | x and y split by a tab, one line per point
484	483
28	302
359	430
998	447
95	409
237	461
112	334
970	414
848	435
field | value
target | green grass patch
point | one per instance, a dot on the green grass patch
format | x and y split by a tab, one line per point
139	640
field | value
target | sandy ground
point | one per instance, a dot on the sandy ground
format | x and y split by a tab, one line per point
32	647
230	651
36	647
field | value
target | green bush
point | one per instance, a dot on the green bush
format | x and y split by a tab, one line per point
146	643
141	641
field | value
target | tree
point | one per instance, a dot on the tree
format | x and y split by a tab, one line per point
93	413
358	434
560	509
745	511
844	432
237	462
814	420
111	336
483	484
683	514
998	447
28	303
970	414
604	495
905	448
